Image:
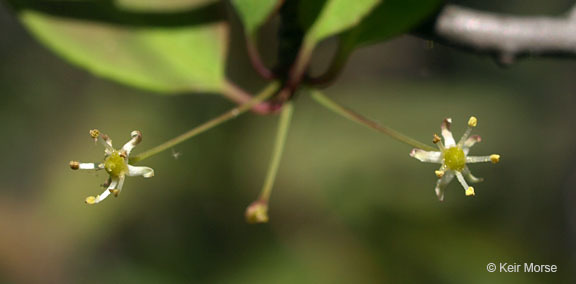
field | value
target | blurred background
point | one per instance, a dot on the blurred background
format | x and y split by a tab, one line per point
349	204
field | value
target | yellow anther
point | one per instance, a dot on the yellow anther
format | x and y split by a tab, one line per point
115	192
90	200
94	133
439	173
473	121
495	158
470	191
74	165
436	139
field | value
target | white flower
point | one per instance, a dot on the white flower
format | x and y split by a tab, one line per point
454	158
115	163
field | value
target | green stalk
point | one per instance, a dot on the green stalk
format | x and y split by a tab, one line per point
233	113
351	115
279	143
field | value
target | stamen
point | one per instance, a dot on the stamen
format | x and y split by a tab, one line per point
495	158
114	191
439	173
468	189
74	165
472	122
481	159
438	141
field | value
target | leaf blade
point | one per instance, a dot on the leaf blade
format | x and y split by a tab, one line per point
165	58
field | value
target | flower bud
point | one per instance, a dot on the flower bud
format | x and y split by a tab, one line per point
257	212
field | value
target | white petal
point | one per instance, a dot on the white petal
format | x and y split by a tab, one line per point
427	156
477	159
136	139
447	134
470	177
442	183
119	185
140	171
471	141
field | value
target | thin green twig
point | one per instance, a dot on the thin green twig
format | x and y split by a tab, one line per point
266	93
349	114
279	143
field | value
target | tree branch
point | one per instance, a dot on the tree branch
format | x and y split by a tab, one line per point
505	36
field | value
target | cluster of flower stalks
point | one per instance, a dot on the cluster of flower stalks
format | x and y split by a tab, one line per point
452	156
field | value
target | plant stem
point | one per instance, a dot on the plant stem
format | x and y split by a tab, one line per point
349	114
283	126
238	95
256	59
233	113
334	69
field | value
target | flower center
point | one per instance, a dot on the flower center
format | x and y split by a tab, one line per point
454	158
115	164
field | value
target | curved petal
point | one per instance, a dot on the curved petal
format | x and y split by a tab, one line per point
426	156
140	171
442	183
471	141
447	134
99	198
470	177
136	139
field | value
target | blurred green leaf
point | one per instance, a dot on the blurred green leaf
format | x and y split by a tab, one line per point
391	18
160	5
153	49
335	16
254	13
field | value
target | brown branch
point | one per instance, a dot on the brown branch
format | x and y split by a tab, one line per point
506	36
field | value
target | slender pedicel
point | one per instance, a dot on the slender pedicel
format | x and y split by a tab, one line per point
257	212
351	115
233	113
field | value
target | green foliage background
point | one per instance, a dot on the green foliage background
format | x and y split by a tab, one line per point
349	205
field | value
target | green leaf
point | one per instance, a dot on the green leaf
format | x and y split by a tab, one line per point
337	16
163	51
254	13
390	19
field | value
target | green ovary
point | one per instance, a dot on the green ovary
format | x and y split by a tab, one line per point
454	158
115	164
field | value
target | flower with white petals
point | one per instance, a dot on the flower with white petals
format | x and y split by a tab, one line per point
453	157
115	163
